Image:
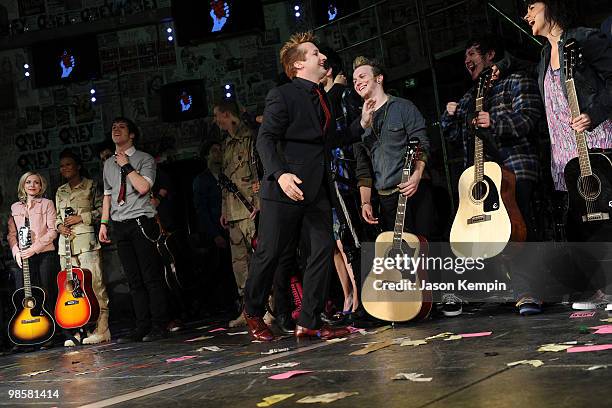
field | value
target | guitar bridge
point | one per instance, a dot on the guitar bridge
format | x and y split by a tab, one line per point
598	216
30	321
478	218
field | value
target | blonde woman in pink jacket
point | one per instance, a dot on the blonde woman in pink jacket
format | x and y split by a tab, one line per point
41	255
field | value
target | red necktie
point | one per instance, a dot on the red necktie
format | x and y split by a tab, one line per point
326	111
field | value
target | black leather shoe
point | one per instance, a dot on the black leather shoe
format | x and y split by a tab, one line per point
135	335
155	334
285	324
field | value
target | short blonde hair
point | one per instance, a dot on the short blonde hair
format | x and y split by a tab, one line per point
21	193
290	52
377	68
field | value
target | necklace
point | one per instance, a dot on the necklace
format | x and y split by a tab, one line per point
382	122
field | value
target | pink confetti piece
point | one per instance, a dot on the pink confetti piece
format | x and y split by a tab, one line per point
603	326
177	359
217	330
288	374
481	334
581	315
582	349
354	329
607	330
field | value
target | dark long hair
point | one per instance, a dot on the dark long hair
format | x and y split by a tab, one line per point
562	12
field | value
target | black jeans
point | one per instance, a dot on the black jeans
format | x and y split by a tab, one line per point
419	217
142	266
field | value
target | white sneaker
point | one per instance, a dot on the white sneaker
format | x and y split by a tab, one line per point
237	322
452	305
96	337
609	308
70	343
598	301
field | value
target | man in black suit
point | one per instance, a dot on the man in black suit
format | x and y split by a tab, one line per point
294	143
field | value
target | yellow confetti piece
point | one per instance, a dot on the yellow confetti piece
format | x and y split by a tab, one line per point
337	340
325	398
273	399
371	347
413	343
553	347
535	363
439	336
453	337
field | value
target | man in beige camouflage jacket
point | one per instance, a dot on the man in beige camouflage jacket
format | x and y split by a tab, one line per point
81	194
238	167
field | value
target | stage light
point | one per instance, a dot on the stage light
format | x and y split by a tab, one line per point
92	91
228	86
168	30
228	91
296	8
93	99
26	66
170	38
27	74
228	95
297	15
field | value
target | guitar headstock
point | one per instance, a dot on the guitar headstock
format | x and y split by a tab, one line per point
571	58
412	152
226	183
484	82
25	237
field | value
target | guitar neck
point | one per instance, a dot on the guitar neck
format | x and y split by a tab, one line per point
244	201
478	147
68	257
581	142
27	285
400	214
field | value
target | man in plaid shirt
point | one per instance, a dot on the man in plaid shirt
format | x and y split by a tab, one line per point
511	110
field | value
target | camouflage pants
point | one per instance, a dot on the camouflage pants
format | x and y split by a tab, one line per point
92	260
241	232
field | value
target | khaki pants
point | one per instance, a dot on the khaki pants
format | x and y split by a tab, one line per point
241	233
92	260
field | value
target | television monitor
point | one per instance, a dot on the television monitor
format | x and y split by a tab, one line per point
184	100
326	11
61	61
207	20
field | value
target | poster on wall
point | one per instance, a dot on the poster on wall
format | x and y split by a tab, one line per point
31	7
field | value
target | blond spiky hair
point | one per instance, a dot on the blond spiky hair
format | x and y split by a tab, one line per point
377	68
291	53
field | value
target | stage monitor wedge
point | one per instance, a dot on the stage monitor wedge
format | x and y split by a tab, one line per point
184	100
207	20
65	60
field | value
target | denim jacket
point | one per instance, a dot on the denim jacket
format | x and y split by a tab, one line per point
402	121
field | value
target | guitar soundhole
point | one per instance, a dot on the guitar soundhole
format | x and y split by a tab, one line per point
480	191
589	187
29	303
402	252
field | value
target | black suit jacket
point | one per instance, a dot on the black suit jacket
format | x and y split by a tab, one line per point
291	140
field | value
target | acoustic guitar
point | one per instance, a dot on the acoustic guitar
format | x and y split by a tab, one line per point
483	225
588	177
31	324
405	304
76	303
